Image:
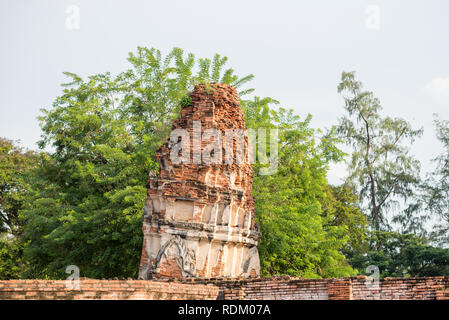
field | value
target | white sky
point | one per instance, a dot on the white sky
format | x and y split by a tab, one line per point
296	50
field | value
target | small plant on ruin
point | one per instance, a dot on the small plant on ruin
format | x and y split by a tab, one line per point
186	101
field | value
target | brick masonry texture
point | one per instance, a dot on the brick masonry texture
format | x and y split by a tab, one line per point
105	290
198	220
276	288
355	288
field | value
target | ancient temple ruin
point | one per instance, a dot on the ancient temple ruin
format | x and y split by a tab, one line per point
198	220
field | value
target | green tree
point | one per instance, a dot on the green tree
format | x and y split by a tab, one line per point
401	255
380	169
87	195
15	166
11	262
297	237
89	192
342	204
15	163
435	190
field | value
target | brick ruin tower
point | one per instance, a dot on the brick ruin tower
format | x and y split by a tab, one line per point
198	220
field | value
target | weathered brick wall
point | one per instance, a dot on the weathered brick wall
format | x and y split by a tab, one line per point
356	288
280	288
276	289
429	288
106	289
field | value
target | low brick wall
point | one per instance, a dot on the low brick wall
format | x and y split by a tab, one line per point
106	289
276	288
424	288
282	288
354	288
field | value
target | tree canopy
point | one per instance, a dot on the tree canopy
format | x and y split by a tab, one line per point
381	168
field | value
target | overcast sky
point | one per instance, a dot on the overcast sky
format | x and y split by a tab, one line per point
399	49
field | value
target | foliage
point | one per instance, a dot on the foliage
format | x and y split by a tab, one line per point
11	264
401	255
380	169
89	192
342	204
297	237
435	190
14	166
186	101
